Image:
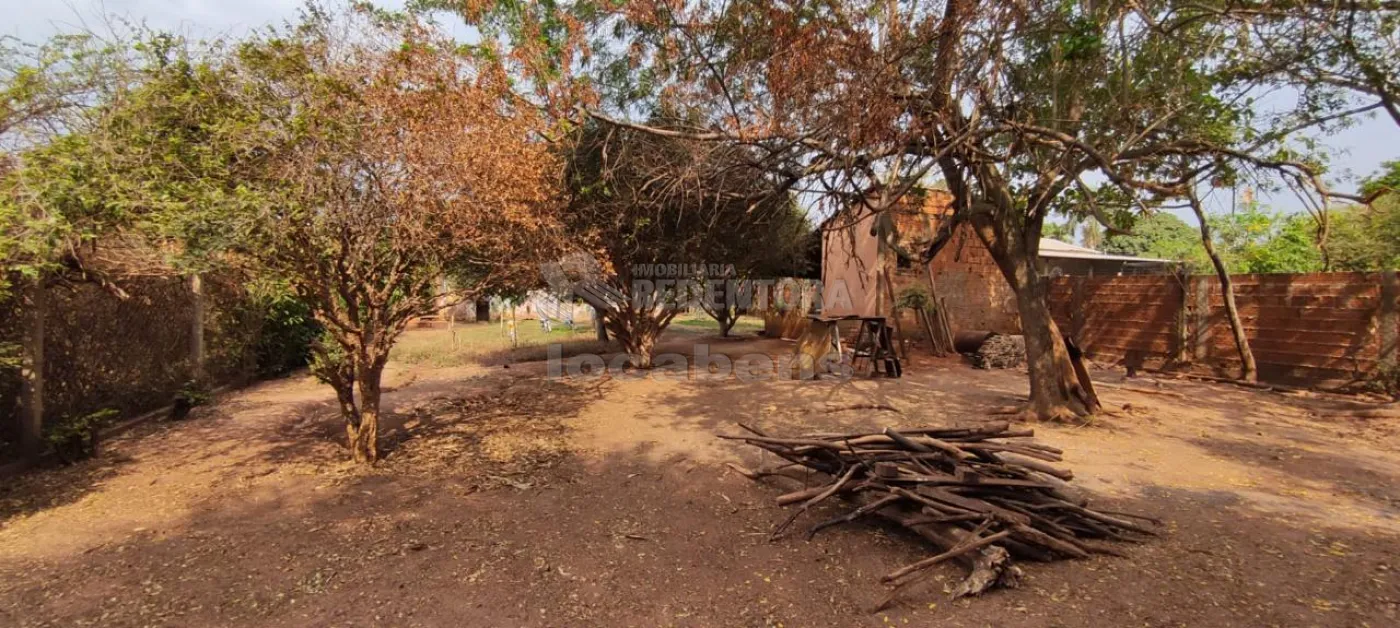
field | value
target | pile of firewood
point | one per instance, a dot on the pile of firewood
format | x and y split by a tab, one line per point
1001	351
979	498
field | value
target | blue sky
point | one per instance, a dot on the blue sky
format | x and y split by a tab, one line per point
1357	152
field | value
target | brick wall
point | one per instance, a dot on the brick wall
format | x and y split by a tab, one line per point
1124	317
1312	329
976	294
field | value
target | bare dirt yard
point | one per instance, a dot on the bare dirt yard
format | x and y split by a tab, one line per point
507	498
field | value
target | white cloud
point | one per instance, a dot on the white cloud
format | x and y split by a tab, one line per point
34	20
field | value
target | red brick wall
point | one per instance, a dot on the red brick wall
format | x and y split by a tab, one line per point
1123	317
976	293
1321	326
1315	329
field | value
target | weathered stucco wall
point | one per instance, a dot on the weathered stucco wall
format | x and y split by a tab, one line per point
850	267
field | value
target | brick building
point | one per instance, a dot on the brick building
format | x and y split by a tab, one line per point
964	274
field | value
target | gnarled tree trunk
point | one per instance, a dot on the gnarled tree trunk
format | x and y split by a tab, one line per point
637	324
363	437
640	345
726	323
599	325
637	331
725	311
356	377
1055	392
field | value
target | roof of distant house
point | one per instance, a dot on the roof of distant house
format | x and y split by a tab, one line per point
1055	248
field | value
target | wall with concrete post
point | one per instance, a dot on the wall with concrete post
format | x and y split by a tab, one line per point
1319	329
83	350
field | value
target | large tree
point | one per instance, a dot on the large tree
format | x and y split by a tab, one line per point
52	94
357	156
1367	237
1093	108
647	201
755	247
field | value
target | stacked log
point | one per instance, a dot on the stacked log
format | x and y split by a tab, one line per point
1001	351
978	498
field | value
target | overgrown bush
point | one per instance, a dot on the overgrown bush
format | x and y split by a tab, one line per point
288	332
190	396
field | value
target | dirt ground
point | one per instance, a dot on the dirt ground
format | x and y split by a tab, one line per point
510	499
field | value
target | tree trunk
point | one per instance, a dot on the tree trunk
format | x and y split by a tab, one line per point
637	330
725	312
31	419
364	436
726	322
639	344
196	284
637	333
1055	392
600	324
1053	386
1248	369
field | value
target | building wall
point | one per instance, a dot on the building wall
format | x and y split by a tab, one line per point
972	287
850	267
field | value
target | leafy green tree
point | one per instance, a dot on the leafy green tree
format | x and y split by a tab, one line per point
770	245
1161	235
1062	231
1255	241
1367	237
52	93
1384	182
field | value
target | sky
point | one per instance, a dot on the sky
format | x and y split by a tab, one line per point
1357	152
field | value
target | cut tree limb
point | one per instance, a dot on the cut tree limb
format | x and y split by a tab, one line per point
980	499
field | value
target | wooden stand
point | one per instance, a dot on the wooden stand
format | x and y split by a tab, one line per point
875	342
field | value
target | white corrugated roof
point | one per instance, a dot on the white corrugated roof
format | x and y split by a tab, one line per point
1055	248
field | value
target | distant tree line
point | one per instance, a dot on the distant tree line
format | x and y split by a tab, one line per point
1253	239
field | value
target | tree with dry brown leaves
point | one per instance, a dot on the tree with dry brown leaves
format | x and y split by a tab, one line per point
357	156
1100	109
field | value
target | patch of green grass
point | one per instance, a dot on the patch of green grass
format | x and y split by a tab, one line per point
699	321
488	344
483	343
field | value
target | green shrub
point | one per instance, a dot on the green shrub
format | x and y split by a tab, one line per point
328	359
9	356
914	298
190	396
75	438
288	332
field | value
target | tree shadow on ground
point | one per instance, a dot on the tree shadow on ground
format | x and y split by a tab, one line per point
282	531
621	540
289	428
53	484
1374	482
